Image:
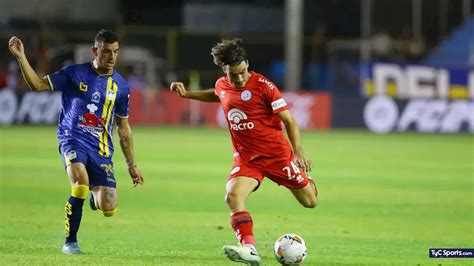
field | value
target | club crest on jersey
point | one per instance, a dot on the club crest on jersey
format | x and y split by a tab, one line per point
95	97
111	95
237	119
222	94
245	95
83	86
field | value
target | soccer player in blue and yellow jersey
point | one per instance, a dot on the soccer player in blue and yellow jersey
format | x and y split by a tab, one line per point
94	96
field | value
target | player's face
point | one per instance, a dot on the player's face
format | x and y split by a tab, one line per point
106	55
238	74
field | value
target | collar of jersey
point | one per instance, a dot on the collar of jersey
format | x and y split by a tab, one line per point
92	66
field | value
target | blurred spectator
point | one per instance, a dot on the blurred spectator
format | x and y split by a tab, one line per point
416	49
412	47
318	44
317	69
136	79
276	72
382	46
3	77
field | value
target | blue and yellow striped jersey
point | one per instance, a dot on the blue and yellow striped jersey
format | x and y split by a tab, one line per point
89	103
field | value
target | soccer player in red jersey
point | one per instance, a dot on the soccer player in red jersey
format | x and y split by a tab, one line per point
254	108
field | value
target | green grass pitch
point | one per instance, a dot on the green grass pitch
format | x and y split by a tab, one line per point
384	199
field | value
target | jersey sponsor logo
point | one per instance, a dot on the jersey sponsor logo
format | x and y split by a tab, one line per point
278	103
83	86
268	83
237	119
89	122
245	95
95	97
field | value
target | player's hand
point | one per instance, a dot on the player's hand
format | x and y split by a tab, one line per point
16	47
303	161
136	175
179	88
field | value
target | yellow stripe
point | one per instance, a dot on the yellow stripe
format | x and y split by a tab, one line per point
458	92
103	137
108	119
391	89
369	87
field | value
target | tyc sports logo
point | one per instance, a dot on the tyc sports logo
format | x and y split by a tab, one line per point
237	119
451	253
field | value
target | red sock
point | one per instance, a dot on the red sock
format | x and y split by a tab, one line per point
243	227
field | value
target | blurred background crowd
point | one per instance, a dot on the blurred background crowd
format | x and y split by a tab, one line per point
165	40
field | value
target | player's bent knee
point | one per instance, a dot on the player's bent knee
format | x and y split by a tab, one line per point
231	198
235	202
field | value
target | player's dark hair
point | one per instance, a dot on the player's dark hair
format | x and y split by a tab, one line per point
229	52
106	36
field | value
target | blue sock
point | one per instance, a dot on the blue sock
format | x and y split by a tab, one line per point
72	219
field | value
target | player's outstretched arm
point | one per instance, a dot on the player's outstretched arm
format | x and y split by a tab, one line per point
125	136
294	136
32	79
202	95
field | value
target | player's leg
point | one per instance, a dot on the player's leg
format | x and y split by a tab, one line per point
73	211
102	183
105	199
289	174
238	190
308	195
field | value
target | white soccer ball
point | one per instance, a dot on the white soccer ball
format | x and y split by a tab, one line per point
290	249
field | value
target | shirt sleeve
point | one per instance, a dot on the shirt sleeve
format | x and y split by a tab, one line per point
275	99
60	80
217	88
122	106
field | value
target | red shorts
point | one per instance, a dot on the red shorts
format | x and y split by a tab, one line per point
285	173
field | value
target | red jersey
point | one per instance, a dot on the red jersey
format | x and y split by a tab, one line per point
251	114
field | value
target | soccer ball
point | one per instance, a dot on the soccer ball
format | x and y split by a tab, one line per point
290	249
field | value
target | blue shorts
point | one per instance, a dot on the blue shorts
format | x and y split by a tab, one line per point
99	169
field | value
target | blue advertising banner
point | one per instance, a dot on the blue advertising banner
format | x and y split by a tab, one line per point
383	114
410	81
424	98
